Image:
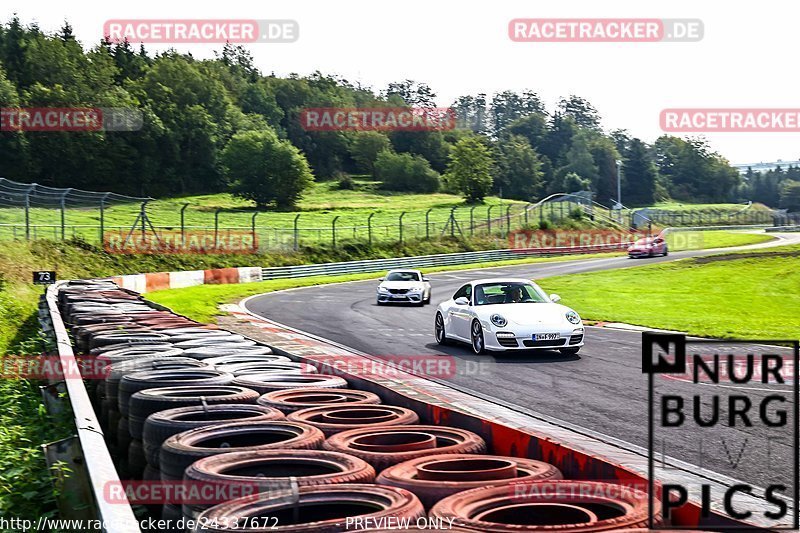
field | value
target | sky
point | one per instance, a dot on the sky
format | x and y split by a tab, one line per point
745	59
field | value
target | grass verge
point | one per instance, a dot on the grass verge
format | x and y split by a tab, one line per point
746	296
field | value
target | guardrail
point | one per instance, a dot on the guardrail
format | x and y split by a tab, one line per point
94	456
460	258
423	261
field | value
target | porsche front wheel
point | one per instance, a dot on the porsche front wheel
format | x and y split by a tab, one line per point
478	344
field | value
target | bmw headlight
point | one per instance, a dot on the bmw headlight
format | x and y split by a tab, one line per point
572	317
498	320
416	289
383	290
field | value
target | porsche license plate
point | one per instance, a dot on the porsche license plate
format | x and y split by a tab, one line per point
546	336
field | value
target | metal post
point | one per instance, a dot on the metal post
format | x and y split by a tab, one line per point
508	219
427	228
253	229
541	214
296	231
183	226
471	224
333	230
28	211
143	216
216	228
400	223
453	221
102	216
369	229
64	211
489	220
526	214
619	182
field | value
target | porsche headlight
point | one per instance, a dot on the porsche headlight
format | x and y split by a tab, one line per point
572	317
498	320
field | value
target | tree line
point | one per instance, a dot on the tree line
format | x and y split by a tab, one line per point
221	124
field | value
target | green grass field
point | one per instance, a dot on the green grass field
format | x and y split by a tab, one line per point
749	296
317	209
697	240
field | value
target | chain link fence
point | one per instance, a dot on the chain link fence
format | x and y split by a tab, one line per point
31	211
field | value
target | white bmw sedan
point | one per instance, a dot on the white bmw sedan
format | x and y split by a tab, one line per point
400	286
508	314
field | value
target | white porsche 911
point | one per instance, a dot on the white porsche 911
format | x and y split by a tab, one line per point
508	314
404	285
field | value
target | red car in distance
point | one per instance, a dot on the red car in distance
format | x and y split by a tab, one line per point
648	247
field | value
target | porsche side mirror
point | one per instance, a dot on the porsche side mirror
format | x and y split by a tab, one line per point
555	298
461	300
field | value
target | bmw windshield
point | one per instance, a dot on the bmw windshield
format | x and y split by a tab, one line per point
402	276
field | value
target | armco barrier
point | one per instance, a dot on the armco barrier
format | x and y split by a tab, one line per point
118	517
423	261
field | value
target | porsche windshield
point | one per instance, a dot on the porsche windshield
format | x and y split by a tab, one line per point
507	293
402	276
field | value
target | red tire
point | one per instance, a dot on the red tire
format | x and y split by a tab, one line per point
387	446
332	419
368	502
435	477
181	450
289	401
567	506
272	472
161	425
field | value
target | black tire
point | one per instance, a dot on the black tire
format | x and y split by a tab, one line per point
146	402
216	351
150	379
245	357
162	425
439	330
127	339
666	251
269	367
117	371
569	351
123	443
136	459
269	382
478	341
181	450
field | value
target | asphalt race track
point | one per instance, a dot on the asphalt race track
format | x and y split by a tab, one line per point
602	389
